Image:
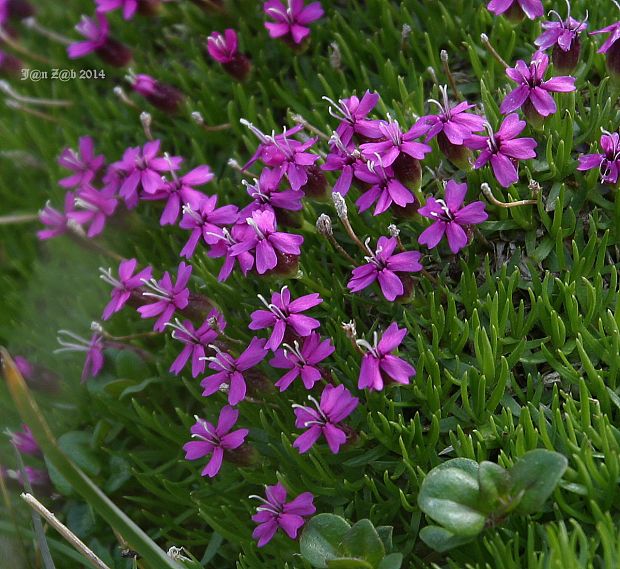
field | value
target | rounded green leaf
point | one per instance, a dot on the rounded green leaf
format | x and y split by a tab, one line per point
441	539
450	495
362	541
348	563
494	481
535	476
392	561
321	537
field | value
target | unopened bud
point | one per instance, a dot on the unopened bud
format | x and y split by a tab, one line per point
197	118
340	204
393	230
324	225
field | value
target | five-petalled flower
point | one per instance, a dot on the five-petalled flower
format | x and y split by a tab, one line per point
379	365
291	20
276	513
324	418
450	217
382	265
215	440
284	314
302	361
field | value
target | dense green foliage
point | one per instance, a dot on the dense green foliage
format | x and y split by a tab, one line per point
516	340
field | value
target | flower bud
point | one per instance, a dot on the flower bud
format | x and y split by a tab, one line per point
316	186
148	7
37	377
408	170
565	62
114	53
160	95
9	64
458	154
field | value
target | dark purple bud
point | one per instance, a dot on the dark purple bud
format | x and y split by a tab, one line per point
316	186
199	307
9	64
408	212
20	9
565	62
408	170
613	61
148	7
239	67
160	95
288	218
407	295
37	377
114	53
287	266
458	154
533	117
515	14
245	455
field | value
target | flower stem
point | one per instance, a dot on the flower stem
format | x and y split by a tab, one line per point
446	69
487	44
16	219
486	190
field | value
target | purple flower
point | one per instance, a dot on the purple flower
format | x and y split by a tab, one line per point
503	149
379	365
143	170
532	8
127	282
533	89
284	314
382	266
265	194
352	114
295	160
83	163
129	7
396	143
223	47
161	95
35	476
37	377
614	36
344	159
214	440
93	349
96	31
196	341
56	222
24	441
95	206
169	297
229	370
268	151
563	33
449	217
302	362
205	220
608	163
454	122
267	242
291	20
336	404
385	188
224	248
180	191
276	513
